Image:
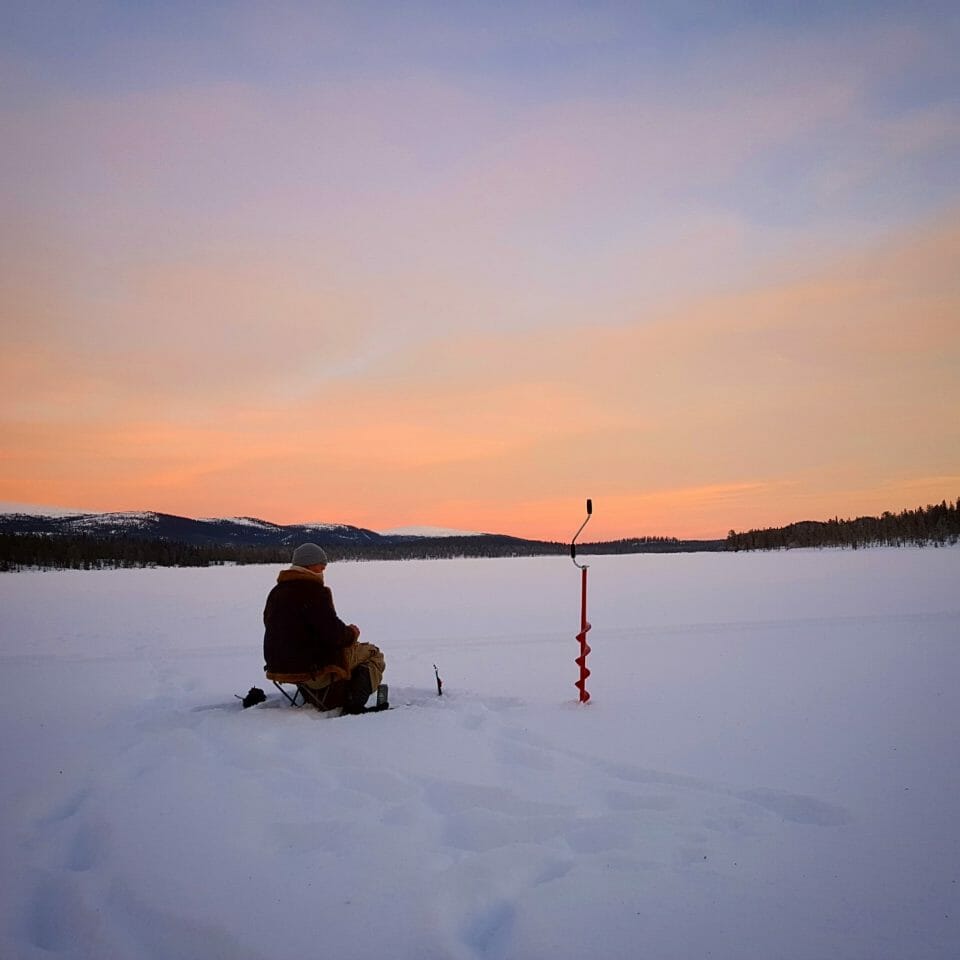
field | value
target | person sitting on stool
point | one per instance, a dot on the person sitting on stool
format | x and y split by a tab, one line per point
303	634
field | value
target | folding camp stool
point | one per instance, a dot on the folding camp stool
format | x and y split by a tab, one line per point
315	695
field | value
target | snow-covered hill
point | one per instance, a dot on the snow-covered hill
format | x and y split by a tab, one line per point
236	531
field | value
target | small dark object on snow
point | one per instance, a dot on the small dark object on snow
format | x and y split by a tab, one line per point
254	696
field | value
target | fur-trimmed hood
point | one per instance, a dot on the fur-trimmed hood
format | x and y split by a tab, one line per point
299	573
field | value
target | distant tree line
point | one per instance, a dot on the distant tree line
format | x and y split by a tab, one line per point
31	550
20	551
649	545
447	548
936	524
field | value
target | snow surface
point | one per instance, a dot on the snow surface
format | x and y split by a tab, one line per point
769	767
429	532
241	522
127	518
311	525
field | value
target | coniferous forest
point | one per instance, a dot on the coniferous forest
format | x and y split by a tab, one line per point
21	551
936	525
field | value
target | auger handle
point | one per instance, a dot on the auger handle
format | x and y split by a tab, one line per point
573	542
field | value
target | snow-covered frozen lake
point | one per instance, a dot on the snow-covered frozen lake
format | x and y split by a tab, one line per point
769	766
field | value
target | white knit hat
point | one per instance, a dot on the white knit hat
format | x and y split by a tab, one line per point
308	555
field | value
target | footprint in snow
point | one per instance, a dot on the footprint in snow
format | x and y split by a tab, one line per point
798	808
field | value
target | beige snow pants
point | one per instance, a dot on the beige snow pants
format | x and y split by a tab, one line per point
355	655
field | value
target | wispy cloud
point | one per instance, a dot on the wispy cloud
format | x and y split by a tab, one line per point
398	267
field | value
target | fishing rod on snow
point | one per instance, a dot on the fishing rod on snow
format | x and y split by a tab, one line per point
581	661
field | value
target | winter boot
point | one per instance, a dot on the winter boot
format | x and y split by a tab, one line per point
359	688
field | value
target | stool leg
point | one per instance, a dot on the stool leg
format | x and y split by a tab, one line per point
291	700
317	697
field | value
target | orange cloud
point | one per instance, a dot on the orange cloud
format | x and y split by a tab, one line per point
834	392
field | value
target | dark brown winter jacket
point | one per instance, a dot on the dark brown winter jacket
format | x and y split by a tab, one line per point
302	630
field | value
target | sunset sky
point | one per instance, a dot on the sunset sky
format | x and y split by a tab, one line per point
467	264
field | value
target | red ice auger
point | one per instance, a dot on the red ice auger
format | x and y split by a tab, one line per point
581	661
